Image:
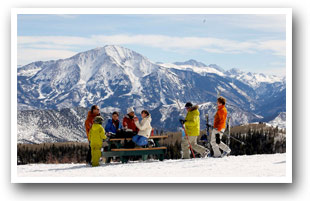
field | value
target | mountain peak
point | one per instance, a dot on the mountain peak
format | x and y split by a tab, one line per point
109	47
191	62
118	52
114	51
234	71
115	48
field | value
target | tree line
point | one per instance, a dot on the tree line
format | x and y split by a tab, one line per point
64	152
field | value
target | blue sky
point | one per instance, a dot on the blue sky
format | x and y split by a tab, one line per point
253	43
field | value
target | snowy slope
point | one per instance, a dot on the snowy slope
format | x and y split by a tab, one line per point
39	126
273	165
254	79
279	121
195	68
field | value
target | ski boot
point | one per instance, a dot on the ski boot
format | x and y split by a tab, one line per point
206	154
225	153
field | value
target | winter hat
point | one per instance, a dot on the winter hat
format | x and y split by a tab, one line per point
98	120
188	105
130	110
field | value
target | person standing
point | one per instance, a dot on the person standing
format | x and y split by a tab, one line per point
94	111
192	128
96	136
218	130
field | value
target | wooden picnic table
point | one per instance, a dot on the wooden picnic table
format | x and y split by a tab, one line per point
116	149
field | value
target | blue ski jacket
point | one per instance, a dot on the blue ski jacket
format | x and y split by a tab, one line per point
110	127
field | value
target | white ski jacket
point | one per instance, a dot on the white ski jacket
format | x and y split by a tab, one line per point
144	126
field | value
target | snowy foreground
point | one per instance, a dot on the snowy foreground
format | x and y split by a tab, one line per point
273	165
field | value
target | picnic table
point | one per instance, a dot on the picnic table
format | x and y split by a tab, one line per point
116	149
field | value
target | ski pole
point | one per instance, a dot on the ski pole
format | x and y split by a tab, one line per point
207	124
204	137
190	146
228	126
234	138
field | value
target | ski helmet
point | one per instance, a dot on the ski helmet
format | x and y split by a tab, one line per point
98	120
188	105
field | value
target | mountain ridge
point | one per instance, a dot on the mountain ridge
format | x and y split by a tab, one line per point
117	77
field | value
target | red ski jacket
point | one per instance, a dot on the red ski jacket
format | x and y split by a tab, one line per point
130	123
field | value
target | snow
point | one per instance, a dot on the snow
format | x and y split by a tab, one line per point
254	79
134	80
279	121
28	72
200	70
109	109
166	110
239	91
273	165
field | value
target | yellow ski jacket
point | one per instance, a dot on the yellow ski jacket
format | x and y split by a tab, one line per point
97	134
192	123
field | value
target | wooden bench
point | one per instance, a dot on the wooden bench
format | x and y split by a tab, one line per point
124	153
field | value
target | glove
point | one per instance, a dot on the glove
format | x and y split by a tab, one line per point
112	134
107	139
204	137
217	138
182	121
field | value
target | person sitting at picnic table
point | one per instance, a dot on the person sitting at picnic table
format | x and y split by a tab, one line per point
129	125
113	127
144	127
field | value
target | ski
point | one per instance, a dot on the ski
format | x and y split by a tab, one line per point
205	138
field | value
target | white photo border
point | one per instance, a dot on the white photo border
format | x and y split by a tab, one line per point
285	11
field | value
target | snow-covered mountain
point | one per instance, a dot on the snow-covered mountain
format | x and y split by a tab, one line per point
254	79
95	76
279	121
39	126
115	78
190	62
195	66
266	94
